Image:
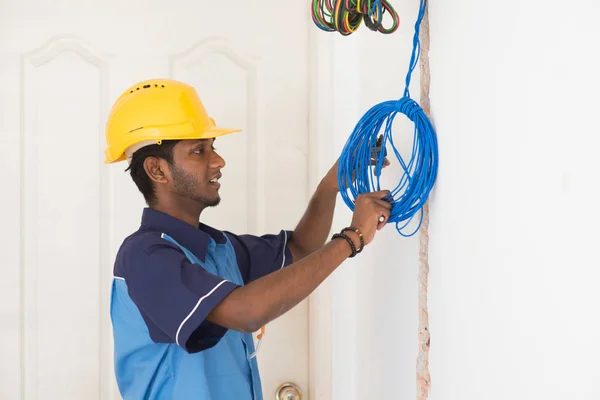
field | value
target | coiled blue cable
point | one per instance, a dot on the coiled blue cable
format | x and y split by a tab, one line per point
420	173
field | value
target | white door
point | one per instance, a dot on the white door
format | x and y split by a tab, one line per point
64	213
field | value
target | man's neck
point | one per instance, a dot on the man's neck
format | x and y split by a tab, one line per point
187	211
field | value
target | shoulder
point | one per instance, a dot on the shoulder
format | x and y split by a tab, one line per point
146	242
138	247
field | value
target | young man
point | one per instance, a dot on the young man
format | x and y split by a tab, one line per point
186	297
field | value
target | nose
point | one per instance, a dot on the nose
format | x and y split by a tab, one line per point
217	161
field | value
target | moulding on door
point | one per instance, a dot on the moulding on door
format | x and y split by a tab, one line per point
61	43
217	44
195	55
31	62
320	145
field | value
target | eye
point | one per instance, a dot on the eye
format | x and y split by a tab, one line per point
201	150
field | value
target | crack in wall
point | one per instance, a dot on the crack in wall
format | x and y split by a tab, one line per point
423	377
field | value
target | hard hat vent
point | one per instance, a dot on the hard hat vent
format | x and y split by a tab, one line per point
147	87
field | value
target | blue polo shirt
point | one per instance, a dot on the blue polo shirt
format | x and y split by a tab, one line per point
168	276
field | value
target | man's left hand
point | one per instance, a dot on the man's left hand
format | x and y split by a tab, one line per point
331	178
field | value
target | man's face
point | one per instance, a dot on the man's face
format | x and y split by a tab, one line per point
196	170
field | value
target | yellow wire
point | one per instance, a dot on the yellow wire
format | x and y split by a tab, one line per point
348	24
337	12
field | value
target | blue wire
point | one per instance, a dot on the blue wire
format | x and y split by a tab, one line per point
377	6
420	173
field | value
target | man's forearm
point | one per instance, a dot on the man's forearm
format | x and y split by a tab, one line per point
313	229
249	307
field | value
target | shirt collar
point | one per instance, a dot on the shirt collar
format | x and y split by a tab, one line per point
195	240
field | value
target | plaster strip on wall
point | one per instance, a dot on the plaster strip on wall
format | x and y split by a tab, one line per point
423	377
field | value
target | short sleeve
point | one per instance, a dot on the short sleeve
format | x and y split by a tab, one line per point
258	256
173	295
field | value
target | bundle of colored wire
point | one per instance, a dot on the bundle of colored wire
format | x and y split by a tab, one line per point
345	16
420	173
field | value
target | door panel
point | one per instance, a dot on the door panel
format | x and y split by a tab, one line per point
65	213
64	238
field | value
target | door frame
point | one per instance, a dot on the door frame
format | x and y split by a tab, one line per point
320	156
331	102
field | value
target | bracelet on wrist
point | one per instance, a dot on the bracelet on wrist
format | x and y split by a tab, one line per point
342	235
360	236
350	243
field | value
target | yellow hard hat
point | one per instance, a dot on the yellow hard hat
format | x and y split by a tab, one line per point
153	111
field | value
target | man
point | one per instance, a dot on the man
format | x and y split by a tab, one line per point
186	297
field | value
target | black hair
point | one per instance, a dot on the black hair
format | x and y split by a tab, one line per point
137	171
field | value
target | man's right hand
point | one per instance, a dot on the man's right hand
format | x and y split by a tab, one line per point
368	210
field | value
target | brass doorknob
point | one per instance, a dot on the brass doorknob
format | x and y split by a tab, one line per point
288	391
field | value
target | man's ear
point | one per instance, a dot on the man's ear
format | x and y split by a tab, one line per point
156	169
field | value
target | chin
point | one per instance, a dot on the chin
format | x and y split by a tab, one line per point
211	202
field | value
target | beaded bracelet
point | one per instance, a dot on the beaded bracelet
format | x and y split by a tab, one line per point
350	242
342	235
360	235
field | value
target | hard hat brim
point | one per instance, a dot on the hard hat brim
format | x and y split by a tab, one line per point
216	132
210	133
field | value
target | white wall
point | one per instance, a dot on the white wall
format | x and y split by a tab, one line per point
514	270
515	276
